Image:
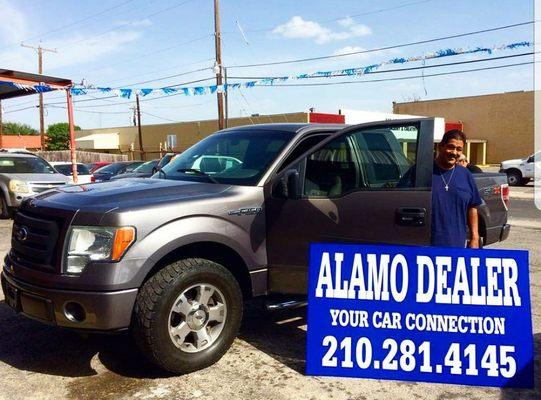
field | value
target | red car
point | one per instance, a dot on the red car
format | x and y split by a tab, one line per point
95	165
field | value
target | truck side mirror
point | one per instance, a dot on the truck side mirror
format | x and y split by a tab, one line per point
291	184
530	159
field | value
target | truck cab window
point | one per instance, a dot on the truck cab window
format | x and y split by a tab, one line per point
331	171
387	156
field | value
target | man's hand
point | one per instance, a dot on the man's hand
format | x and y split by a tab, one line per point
473	243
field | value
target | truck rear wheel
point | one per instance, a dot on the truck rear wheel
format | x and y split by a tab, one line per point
514	178
187	315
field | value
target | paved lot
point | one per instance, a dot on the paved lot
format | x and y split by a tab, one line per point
266	360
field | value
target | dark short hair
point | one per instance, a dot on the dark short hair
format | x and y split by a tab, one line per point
453	134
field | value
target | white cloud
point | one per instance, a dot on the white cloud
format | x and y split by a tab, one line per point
348	21
13	26
298	28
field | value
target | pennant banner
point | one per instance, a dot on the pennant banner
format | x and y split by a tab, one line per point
202	90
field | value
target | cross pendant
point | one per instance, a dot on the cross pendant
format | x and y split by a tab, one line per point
446	188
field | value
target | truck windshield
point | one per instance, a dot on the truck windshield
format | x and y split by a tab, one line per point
147	167
25	165
65	169
233	157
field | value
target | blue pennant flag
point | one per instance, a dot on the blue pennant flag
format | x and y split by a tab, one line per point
78	91
125	93
144	92
168	90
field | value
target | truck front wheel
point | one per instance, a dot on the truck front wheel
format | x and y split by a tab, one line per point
187	315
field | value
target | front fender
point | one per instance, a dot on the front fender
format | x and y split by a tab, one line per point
185	231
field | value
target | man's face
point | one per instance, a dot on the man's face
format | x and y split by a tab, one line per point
449	152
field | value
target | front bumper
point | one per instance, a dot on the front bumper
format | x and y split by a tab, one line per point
103	311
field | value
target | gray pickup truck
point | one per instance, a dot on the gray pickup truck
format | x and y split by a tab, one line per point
231	218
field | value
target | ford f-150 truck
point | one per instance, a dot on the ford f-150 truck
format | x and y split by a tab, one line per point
173	257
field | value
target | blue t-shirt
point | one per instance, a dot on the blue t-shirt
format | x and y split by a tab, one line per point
450	207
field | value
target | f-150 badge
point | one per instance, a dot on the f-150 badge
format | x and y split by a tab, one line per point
246	211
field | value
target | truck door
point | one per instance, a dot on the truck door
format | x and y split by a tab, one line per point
369	183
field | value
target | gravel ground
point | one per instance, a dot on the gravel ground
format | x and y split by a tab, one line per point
265	361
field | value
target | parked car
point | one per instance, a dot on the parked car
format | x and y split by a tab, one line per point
96	165
23	175
166	159
106	173
173	257
145	170
83	174
521	171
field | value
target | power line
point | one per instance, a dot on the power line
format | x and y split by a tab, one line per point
168	77
93	112
144	55
402	77
383	48
157	116
78	22
397	69
116	27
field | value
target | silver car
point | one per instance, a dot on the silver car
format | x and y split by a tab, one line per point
23	175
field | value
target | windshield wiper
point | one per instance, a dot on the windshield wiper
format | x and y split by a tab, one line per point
161	171
198	172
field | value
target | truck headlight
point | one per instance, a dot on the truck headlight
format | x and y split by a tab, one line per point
16	186
95	243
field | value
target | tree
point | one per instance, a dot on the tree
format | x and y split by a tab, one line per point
16	128
58	136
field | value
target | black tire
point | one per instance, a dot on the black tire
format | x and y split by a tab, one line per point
5	211
514	178
154	312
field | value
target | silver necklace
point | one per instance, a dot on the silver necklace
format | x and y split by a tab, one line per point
446	183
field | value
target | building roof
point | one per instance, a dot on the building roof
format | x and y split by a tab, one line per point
17	83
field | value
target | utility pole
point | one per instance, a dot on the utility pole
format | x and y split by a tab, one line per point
40	51
142	152
226	100
1	125
218	65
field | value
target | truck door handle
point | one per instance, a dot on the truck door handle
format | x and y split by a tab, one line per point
410	216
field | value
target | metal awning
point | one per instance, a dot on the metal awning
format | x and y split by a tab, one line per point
10	81
16	84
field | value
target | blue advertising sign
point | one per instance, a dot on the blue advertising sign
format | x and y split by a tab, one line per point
428	314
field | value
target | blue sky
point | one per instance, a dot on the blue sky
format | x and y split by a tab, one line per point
122	42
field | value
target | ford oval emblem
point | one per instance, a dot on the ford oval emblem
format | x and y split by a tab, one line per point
21	233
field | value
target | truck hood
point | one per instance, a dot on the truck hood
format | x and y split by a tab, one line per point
514	162
128	193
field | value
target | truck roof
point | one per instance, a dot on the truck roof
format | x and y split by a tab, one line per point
286	127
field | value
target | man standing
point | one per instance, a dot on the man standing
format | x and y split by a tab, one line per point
454	196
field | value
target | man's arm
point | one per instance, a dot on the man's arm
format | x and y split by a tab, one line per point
473	224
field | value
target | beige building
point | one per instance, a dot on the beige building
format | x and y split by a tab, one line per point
505	121
126	139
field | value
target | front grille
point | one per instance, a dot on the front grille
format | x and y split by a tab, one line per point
33	241
39	187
